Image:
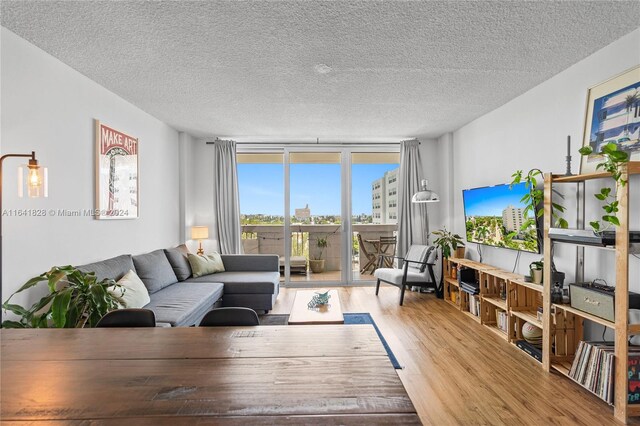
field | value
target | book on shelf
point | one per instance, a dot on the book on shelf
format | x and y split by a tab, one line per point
593	368
530	349
502	320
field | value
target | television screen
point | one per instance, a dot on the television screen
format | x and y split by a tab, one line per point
494	216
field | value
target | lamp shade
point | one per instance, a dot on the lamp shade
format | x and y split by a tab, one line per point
33	180
199	232
425	195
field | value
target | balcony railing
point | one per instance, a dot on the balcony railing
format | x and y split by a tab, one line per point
269	239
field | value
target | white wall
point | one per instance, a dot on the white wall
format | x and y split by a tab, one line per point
199	196
49	107
530	132
432	171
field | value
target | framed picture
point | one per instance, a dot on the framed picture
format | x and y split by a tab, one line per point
117	172
613	116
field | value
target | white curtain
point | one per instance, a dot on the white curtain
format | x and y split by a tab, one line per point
226	198
412	218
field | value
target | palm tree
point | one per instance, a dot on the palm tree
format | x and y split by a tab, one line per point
629	103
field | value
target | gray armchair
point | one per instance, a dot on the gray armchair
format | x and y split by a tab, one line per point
416	270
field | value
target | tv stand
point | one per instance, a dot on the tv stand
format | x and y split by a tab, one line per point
505	301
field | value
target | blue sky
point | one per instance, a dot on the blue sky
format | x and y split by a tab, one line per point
492	200
262	187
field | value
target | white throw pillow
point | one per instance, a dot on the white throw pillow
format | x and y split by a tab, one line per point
205	264
133	292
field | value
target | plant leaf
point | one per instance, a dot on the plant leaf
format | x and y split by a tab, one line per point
59	308
16	309
33	281
611	219
595	225
13	324
586	150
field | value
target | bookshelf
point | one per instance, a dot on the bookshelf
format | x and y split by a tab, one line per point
563	325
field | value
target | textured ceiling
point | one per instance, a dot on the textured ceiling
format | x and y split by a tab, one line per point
357	70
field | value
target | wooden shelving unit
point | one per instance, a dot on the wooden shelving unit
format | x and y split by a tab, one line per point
563	325
500	291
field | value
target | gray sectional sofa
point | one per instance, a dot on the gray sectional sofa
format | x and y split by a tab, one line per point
178	299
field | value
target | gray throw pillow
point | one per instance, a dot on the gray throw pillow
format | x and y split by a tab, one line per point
114	268
177	257
154	270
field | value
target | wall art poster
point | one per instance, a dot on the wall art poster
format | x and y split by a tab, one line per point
613	116
117	172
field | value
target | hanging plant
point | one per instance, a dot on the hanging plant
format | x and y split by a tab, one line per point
613	159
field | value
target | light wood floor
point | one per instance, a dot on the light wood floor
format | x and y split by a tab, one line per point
457	372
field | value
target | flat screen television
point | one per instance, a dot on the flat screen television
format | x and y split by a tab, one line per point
494	216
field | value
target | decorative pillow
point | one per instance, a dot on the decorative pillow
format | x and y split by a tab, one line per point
154	270
178	259
133	293
205	265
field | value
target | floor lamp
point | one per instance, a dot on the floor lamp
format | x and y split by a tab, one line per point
31	176
425	196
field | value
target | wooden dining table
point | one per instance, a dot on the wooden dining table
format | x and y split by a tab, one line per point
308	374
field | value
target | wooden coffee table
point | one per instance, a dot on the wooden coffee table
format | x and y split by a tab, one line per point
301	314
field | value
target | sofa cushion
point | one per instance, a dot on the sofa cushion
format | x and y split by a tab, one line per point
114	268
154	270
250	262
132	291
205	264
177	257
243	282
393	275
184	304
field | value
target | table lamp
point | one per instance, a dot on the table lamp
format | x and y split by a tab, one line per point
199	233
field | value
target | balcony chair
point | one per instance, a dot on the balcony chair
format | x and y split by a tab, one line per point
416	270
371	258
388	247
129	317
230	317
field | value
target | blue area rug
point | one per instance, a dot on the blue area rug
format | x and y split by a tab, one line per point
365	318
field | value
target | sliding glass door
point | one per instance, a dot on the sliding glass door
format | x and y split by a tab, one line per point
374	209
261	187
327	213
315	214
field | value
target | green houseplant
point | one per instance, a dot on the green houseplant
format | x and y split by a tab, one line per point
76	299
613	159
448	242
534	199
536	269
316	263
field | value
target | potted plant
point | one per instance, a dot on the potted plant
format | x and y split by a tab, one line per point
76	299
316	263
536	271
448	243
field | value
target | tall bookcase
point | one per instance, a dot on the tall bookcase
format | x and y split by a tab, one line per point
563	325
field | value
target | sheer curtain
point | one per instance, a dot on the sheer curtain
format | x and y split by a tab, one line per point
226	198
412	218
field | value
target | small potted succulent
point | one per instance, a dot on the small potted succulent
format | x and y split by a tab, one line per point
536	271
